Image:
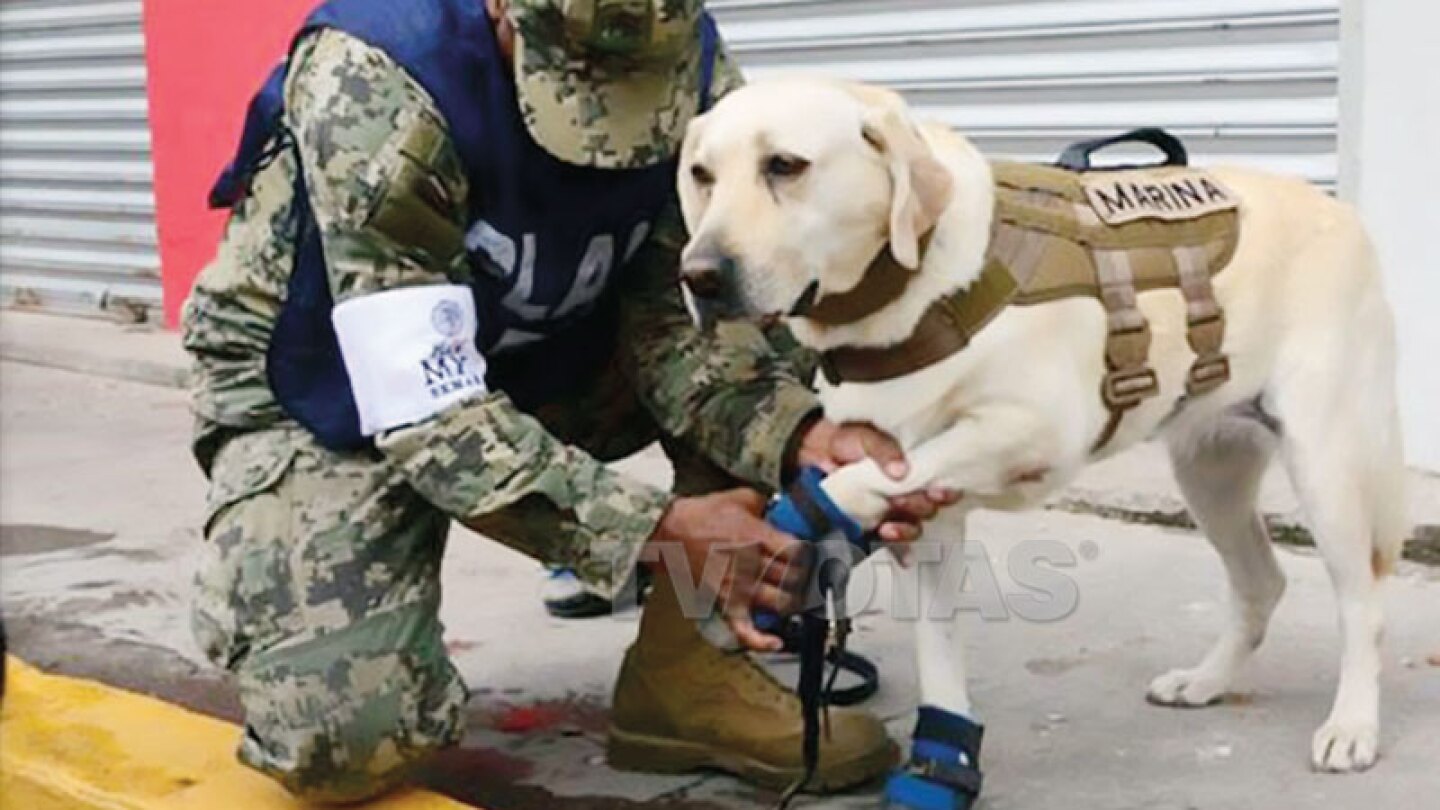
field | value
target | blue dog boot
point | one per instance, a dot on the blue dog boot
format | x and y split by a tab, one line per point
944	768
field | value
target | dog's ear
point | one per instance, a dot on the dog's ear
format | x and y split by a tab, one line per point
922	185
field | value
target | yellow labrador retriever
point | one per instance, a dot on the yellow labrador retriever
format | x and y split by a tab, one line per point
792	188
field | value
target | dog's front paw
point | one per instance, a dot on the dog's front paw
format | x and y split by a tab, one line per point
944	768
1345	747
1186	689
859	491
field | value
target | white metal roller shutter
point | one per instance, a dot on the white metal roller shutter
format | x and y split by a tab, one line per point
77	208
1250	82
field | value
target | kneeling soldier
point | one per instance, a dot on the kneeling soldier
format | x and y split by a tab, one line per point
447	290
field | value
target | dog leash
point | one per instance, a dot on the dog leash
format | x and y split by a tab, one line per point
841	660
806	512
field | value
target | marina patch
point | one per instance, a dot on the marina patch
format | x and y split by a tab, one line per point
1174	196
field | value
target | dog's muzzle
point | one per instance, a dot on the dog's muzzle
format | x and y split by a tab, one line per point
709	277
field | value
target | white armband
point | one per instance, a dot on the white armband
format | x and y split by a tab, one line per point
410	353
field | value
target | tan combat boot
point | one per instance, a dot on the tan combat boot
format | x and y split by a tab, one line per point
683	704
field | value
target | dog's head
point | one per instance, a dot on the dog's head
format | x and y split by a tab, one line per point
790	190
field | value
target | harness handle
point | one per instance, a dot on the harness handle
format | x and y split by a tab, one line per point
1076	157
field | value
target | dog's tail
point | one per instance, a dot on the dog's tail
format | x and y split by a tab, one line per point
1389	518
1372	389
1335	389
1386	477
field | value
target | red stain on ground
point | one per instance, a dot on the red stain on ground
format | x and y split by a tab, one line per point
525	719
481	776
456	771
585	715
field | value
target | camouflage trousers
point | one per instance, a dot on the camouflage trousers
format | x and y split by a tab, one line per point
320	590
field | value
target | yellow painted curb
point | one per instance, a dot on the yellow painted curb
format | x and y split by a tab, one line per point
67	744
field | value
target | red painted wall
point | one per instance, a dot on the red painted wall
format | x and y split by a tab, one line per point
205	59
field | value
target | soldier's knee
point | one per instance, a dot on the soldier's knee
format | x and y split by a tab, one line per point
343	730
338	763
322	779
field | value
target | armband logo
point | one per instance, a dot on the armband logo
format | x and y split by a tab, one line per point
448	319
448	370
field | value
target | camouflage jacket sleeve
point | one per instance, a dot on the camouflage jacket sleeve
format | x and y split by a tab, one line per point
387	193
738	395
735	394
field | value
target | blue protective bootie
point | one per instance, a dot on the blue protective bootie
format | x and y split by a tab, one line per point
944	768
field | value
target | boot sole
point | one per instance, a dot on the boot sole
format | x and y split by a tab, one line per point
646	754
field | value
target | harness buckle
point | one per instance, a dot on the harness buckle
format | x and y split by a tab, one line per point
1124	389
1208	373
1206	333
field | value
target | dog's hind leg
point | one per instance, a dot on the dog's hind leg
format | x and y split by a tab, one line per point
1338	475
1332	493
1219	471
1334	391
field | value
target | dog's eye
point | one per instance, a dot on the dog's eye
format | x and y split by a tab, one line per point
701	175
779	167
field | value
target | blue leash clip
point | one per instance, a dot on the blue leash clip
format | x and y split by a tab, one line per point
807	513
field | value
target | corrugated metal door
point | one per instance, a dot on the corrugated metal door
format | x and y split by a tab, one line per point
77	209
1242	81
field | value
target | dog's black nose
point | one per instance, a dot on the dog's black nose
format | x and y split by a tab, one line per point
704	272
704	283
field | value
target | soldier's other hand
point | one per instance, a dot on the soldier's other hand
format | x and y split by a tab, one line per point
731	553
830	446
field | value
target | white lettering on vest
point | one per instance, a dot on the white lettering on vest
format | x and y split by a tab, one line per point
637	240
590	279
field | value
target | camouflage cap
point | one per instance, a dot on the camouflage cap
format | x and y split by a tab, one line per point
608	83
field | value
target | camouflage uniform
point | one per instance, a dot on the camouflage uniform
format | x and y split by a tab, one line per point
320	586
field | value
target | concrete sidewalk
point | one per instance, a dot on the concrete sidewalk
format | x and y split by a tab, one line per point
139	353
100	506
1134	487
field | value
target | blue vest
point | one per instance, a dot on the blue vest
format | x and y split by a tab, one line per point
545	237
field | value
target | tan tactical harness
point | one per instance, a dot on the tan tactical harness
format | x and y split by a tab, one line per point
1107	235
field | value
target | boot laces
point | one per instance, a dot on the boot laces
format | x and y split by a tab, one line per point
776	693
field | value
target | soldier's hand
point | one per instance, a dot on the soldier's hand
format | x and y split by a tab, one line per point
830	446
731	553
